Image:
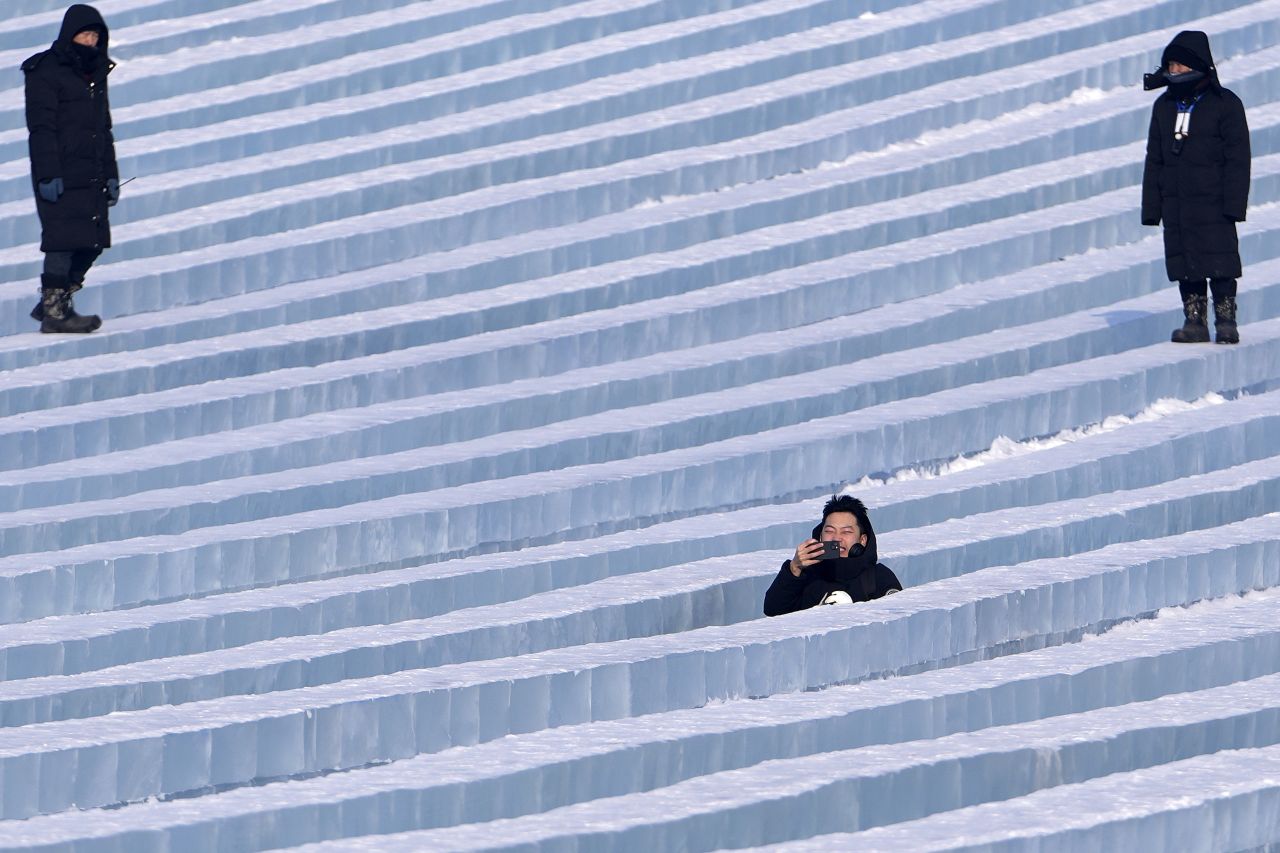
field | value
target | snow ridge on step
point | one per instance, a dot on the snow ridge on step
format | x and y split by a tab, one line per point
1140	662
740	807
606	437
1142	455
269	258
720	591
1224	801
240	739
591	499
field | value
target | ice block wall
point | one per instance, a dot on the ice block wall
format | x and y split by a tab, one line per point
470	367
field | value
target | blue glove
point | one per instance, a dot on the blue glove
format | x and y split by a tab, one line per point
51	189
113	191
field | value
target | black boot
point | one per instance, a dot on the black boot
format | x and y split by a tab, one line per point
37	313
1224	320
1196	328
58	314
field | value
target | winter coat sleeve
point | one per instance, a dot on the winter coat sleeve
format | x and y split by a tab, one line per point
113	170
42	123
783	595
1236	165
1151	174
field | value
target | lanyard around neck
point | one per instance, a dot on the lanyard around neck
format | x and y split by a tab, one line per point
1182	126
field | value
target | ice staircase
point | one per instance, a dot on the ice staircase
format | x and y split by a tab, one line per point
470	366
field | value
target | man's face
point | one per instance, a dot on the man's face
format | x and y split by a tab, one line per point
842	527
88	38
1178	67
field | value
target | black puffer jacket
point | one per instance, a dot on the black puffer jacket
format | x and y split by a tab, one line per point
1200	192
69	120
862	577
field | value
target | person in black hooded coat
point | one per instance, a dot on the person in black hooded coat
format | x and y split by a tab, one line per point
805	581
73	161
1196	182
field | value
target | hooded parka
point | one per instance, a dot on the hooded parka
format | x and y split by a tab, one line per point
1198	189
863	577
69	120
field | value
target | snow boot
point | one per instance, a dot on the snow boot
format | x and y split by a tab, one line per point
37	313
1196	329
1224	320
57	313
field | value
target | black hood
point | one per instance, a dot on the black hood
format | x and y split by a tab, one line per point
871	551
1191	48
81	17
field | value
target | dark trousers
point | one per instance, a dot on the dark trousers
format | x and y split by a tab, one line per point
72	266
1222	288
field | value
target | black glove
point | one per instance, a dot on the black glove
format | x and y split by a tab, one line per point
51	189
113	191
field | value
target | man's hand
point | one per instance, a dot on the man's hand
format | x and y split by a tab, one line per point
50	190
113	192
806	555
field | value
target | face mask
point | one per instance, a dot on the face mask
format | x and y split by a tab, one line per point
1182	85
88	56
1160	78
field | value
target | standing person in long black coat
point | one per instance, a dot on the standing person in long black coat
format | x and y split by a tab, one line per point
73	162
1196	183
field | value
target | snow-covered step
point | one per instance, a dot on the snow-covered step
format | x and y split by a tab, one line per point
492	214
403	373
1023	297
1136	457
712	217
721	70
305	200
686	422
724	590
357	249
401	425
1209	645
407	28
31	22
239	739
532	262
1227	800
380	76
594	499
636	283
116	302
138	28
396	185
883	183
422	98
500	217
872	786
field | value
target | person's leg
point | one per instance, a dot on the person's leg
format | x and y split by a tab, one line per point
81	261
1195	307
58	264
1224	310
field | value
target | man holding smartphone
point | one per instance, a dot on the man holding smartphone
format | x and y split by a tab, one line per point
839	564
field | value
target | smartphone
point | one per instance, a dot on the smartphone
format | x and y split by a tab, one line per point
830	551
